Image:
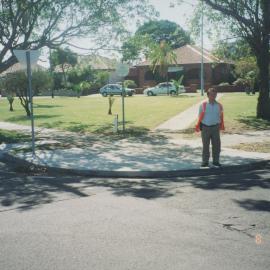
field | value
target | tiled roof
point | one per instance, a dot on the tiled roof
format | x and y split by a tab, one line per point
17	67
190	54
97	62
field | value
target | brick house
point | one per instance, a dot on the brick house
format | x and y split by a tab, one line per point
189	61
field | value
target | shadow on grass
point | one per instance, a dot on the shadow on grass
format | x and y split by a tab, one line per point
183	96
254	123
13	137
77	127
52	124
106	130
25	117
40	106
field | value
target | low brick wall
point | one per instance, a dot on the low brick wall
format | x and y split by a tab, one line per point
192	88
139	90
229	88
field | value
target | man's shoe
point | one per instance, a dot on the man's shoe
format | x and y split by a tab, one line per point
216	164
205	165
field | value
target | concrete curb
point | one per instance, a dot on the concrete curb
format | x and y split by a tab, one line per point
23	165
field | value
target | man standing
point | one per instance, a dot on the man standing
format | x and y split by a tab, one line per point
210	123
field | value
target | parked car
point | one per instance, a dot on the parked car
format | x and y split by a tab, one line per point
115	89
163	89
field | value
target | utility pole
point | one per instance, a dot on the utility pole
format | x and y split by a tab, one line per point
202	54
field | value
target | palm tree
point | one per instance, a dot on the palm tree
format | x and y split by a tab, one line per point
178	83
161	56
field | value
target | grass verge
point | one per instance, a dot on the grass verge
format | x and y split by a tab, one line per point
90	114
262	147
13	137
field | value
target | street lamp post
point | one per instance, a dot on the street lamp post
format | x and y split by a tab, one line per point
202	54
123	106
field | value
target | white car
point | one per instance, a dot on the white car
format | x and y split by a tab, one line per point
166	88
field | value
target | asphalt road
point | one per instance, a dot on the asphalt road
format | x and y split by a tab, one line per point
65	222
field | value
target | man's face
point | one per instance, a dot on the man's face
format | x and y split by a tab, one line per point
212	96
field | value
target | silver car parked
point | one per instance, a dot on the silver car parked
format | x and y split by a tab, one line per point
165	88
115	89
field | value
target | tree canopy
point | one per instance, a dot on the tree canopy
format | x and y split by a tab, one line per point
250	21
166	30
161	57
233	50
17	84
34	24
152	33
62	57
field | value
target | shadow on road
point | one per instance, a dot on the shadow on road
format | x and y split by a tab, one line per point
254	205
24	192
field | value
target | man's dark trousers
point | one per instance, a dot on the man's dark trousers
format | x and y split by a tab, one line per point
210	133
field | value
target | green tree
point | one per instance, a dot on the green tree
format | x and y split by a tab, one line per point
136	47
250	21
246	70
129	84
17	82
161	56
234	50
159	30
178	83
111	101
64	58
100	78
35	24
10	99
153	32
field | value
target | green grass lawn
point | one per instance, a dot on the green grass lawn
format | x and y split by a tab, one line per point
13	137
240	113
90	114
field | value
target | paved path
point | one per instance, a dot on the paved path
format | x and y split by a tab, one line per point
182	120
152	153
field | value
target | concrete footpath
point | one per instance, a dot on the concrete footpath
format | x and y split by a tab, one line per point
150	155
184	119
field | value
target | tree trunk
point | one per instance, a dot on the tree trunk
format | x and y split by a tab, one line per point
11	106
28	113
263	106
26	107
64	73
25	103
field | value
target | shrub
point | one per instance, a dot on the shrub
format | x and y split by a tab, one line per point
240	81
224	84
129	84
